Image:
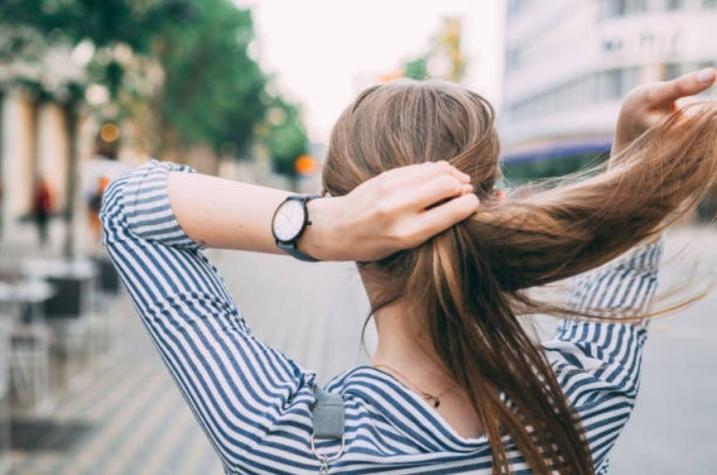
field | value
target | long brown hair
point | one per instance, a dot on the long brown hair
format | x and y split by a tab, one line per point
471	280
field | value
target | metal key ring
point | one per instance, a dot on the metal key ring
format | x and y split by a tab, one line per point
327	459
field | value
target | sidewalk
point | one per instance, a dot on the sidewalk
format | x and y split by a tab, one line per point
123	416
127	418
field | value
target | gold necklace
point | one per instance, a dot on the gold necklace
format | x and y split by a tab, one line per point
433	399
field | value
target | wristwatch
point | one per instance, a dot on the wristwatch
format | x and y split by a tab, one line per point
289	222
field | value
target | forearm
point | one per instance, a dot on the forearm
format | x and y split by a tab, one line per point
398	209
227	214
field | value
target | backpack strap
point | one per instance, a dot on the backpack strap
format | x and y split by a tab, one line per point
328	419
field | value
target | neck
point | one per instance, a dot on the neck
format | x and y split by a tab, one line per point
404	347
405	351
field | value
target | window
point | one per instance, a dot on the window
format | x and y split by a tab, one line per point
514	58
610	84
579	92
515	6
675	4
672	71
620	8
636	6
629	78
613	8
615	83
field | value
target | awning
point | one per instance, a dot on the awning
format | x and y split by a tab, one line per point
558	149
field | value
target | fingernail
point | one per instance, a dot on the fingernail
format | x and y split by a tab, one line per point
467	189
706	75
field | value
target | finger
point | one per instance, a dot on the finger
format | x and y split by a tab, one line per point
432	191
439	218
665	93
412	175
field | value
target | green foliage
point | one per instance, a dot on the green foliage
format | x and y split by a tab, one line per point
212	92
286	138
213	89
31	28
417	68
444	54
104	22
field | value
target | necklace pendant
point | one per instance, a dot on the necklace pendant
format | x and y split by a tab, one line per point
434	400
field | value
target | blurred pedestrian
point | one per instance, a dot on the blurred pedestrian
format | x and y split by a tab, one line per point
42	205
97	172
94	203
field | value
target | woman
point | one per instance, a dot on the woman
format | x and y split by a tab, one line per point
456	385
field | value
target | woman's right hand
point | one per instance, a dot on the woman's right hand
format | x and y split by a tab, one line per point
398	209
649	104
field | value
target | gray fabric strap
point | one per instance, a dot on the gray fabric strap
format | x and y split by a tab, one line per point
327	415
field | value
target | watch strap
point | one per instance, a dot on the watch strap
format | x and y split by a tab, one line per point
291	247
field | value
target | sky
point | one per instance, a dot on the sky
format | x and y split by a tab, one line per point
323	52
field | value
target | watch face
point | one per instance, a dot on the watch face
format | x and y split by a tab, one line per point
288	220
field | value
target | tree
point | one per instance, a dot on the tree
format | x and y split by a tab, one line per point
38	28
103	22
210	89
286	138
444	57
213	90
416	68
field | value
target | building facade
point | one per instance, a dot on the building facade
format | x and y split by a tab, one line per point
569	63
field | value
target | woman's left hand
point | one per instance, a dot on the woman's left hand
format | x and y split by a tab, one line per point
649	104
398	209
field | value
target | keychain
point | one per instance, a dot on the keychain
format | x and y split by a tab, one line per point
327	416
326	460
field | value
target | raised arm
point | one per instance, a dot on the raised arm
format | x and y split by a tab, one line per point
240	390
390	212
252	401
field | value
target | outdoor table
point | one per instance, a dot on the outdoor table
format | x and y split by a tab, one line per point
108	279
22	301
27	296
68	314
73	280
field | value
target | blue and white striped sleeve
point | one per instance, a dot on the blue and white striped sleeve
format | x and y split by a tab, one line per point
598	362
251	400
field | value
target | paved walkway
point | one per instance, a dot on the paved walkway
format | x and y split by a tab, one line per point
125	417
128	418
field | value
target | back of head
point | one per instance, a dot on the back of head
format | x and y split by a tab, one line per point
406	122
469	280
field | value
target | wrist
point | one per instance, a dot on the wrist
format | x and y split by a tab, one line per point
622	137
319	240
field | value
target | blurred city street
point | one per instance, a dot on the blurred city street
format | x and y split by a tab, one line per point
250	91
130	419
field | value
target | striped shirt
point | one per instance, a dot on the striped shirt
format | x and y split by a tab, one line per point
254	403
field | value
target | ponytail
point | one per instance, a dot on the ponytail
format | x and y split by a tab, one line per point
579	225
